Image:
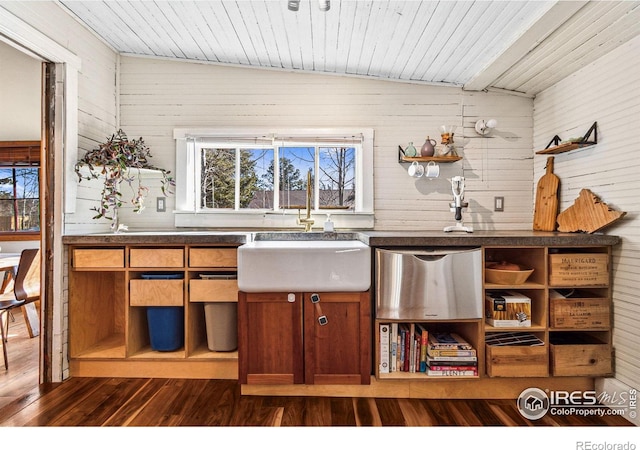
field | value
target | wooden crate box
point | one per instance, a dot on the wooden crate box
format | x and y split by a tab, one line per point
579	269
517	361
580	313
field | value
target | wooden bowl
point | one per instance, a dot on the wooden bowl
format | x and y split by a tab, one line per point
498	276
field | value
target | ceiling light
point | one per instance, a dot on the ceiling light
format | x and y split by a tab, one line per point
324	5
485	127
293	5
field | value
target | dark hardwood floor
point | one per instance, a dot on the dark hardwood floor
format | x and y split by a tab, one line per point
143	402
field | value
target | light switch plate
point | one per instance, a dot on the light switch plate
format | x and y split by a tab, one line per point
498	203
161	205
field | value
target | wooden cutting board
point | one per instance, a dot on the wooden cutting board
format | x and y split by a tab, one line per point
546	208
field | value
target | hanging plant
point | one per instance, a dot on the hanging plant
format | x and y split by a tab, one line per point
116	160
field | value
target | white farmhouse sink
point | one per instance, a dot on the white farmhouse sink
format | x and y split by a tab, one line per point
303	266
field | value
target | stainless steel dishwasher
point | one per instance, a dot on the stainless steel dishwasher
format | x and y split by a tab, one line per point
429	284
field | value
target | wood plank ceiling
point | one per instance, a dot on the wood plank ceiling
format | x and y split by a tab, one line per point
521	46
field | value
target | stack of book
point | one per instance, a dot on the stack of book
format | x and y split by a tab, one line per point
403	347
448	354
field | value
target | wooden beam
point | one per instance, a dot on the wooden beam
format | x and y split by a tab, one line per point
555	16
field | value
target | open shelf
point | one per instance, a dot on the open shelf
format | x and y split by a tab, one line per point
558	147
439	159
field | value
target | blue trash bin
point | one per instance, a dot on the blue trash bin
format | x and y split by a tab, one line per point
166	327
166	323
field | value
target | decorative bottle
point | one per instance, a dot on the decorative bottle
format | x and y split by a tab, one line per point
428	148
410	151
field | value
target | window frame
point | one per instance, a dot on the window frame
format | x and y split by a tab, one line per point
187	213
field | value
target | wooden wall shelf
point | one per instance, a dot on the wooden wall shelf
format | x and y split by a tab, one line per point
438	159
568	146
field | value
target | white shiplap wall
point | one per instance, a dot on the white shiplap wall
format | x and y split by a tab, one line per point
607	91
158	95
97	106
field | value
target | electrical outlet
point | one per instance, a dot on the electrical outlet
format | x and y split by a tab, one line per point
161	204
498	203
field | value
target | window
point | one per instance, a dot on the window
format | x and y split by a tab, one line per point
19	187
19	199
260	179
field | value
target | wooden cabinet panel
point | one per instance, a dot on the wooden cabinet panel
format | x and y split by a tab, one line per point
270	338
271	345
338	352
156	292
156	257
213	290
112	258
213	257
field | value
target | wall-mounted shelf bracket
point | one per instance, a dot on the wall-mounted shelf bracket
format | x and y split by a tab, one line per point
555	145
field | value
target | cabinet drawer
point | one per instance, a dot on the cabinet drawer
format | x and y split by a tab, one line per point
517	361
98	258
580	359
156	292
156	257
213	290
213	257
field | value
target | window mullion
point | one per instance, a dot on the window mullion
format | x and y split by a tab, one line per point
316	178
276	176
237	183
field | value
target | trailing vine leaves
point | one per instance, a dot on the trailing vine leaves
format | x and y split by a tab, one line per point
116	160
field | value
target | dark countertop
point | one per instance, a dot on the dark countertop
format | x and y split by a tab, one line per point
371	238
486	238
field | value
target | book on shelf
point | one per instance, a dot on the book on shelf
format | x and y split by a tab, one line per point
453	373
436	359
393	338
461	361
424	338
451	367
450	352
384	348
448	341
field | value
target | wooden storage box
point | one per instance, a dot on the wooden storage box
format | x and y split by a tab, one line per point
517	361
586	359
111	258
213	290
579	313
156	292
213	257
156	257
579	269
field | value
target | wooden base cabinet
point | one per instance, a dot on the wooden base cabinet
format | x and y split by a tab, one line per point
110	291
570	296
282	340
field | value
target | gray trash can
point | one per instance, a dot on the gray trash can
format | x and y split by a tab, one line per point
222	326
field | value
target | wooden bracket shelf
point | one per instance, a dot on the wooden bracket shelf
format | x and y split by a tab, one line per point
439	159
557	147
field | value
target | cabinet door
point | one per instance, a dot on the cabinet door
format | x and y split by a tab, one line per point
270	338
339	351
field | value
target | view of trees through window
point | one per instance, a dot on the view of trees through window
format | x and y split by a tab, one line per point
19	199
245	178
